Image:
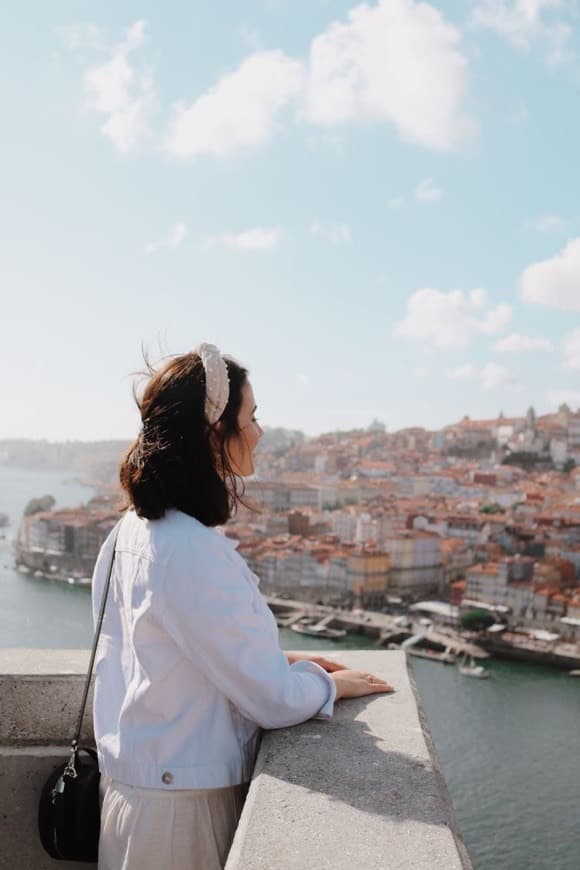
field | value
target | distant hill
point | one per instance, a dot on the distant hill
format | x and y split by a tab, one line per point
94	459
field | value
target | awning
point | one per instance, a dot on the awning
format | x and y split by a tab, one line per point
436	608
483	605
540	634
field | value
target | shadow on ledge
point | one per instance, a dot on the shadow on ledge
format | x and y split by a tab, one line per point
364	789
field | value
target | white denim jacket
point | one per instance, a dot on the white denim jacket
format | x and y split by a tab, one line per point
189	666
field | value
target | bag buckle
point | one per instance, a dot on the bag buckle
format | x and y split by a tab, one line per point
70	769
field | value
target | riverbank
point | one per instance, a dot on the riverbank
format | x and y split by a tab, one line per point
384	629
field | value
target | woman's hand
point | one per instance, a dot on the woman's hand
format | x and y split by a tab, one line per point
328	665
355	684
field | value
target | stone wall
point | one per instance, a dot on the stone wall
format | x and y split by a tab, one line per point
364	789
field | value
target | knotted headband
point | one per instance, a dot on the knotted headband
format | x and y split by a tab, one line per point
217	382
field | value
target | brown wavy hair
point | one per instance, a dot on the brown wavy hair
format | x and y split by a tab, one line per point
174	461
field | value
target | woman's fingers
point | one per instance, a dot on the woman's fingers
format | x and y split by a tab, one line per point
354	684
377	684
382	687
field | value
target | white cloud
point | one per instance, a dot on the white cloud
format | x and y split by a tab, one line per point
478	297
524	23
255	239
175	238
494	375
336	234
561	397
397	61
516	343
572	350
240	110
497	320
123	93
451	320
426	191
548	223
465	371
555	282
491	375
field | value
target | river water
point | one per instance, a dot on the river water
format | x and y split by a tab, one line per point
509	746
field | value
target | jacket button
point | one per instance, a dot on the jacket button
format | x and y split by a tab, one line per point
167	778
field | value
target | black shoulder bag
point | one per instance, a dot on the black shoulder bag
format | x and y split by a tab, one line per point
69	812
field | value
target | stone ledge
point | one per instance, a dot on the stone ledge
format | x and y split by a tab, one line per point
40	696
364	789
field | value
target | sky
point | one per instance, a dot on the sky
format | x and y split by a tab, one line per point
374	207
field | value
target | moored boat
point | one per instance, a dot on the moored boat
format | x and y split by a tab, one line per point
319	631
446	657
469	668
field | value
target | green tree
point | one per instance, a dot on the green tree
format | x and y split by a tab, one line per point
477	620
493	508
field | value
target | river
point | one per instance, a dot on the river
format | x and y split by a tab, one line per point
509	746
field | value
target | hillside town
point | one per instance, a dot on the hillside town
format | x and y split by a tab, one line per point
480	514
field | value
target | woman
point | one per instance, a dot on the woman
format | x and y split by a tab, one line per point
189	667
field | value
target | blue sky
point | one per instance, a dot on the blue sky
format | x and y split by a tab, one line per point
375	207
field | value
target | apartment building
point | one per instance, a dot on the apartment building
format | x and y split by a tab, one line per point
486	582
367	576
63	541
277	496
415	562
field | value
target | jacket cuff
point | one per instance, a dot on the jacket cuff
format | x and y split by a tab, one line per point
327	708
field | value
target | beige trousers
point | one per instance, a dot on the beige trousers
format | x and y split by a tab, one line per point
156	829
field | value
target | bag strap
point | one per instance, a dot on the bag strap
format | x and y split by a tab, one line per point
75	741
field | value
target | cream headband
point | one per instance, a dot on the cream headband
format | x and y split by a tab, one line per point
217	382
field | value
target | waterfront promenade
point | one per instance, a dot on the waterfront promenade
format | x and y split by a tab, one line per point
382	627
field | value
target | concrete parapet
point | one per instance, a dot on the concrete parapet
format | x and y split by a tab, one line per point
364	789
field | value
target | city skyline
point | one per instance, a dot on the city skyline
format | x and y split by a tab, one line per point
370	425
369	205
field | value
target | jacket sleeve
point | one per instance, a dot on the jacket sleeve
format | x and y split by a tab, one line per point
220	621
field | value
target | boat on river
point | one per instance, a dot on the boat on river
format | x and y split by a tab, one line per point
446	656
469	668
318	631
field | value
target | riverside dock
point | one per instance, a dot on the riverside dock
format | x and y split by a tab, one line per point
381	626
